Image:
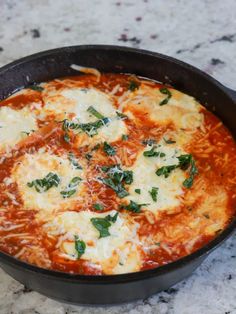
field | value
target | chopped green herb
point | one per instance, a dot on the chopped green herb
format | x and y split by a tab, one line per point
112	218
133	207
184	162
117	187
206	216
165	91
125	137
67	124
94	112
157	243
88	156
149	142
138	191
43	185
66	137
36	88
118	174
154	193
73	161
162	154
121	116
91	128
133	85
80	247
103	224
88	128
151	152
106	168
71	188
115	179
111	151
165	170
128	176
96	147
98	206
169	141
193	171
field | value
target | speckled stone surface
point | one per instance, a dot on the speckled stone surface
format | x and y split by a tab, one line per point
202	33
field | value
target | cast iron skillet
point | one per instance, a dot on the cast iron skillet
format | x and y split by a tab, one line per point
56	63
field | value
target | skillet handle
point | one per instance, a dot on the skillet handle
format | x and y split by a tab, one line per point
232	93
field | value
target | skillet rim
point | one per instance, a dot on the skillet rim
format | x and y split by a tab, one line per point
140	275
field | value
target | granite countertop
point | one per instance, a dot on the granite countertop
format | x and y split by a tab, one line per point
202	33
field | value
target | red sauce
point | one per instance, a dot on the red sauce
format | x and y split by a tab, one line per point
219	167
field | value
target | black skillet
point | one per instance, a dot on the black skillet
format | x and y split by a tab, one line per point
56	63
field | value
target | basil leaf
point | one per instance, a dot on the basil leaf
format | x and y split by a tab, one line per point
88	156
37	88
125	137
121	116
133	207
94	112
169	141
80	247
193	171
88	128
138	191
43	185
102	225
165	91
92	128
128	176
112	218
117	187
154	193
184	161
73	161
149	142
71	188
115	179
151	152
133	85
111	151
98	206
166	170
66	138
96	147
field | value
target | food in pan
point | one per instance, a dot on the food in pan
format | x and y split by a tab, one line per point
111	174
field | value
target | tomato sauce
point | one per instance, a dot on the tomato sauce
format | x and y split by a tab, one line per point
216	163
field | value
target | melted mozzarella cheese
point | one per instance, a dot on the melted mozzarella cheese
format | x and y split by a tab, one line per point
181	110
36	166
169	189
116	253
14	125
76	101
